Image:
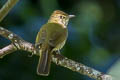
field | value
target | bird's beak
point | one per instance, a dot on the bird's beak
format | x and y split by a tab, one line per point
71	16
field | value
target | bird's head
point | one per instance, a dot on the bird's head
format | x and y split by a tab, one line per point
60	17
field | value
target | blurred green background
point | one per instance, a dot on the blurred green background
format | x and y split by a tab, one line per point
94	37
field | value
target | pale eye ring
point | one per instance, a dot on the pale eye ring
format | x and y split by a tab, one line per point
62	17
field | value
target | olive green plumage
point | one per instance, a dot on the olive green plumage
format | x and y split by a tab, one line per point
51	37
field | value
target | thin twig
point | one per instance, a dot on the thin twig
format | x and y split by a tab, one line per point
6	8
19	43
7	50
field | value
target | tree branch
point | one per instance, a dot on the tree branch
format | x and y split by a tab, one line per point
6	8
6	50
19	44
17	41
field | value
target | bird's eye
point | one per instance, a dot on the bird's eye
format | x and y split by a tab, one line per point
61	17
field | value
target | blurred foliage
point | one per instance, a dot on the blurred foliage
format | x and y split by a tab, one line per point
94	37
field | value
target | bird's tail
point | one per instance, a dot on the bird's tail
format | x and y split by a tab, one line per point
44	62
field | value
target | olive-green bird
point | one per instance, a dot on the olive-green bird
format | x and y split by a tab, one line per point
51	37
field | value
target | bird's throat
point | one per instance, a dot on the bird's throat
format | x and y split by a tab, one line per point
58	22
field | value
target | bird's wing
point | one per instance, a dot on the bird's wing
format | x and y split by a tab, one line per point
58	35
41	36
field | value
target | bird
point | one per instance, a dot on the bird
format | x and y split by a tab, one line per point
51	37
